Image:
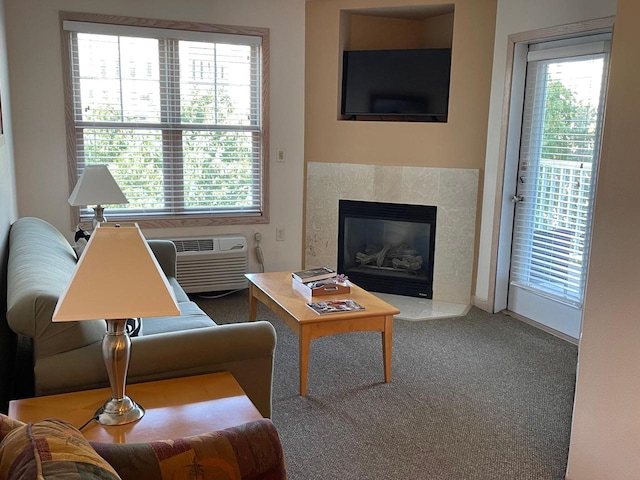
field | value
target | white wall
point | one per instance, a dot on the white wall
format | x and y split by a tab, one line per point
605	437
35	67
8	209
8	213
517	16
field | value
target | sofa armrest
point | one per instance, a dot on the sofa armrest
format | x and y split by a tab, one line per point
244	349
246	352
247	452
165	253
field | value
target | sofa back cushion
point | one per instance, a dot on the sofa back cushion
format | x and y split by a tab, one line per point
41	263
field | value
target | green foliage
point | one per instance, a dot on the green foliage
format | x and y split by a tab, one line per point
569	135
215	165
569	126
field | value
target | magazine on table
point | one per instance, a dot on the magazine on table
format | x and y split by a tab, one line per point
335	306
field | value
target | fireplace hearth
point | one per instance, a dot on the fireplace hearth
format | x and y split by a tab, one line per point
387	247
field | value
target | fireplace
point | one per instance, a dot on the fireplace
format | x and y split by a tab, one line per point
387	247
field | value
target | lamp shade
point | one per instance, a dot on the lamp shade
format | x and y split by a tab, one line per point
117	277
96	186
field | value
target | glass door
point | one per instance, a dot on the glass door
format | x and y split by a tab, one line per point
561	127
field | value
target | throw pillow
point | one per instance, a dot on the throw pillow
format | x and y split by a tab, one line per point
50	450
133	327
81	238
7	424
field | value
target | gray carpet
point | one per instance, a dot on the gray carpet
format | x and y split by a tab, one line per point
475	397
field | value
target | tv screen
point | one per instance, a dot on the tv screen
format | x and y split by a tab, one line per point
396	83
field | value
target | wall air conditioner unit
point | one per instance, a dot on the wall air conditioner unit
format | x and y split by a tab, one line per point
211	264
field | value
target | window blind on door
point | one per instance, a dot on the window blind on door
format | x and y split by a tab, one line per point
558	152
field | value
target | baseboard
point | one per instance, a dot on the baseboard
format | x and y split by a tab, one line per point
482	304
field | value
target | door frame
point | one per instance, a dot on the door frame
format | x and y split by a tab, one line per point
510	142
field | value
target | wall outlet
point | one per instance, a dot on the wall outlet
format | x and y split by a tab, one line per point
280	155
280	234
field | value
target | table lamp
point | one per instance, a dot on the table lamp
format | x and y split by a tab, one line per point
116	278
96	186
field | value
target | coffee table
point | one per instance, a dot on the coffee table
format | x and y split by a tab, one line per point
174	408
275	291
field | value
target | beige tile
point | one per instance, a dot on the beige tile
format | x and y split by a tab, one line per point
387	184
356	182
452	292
420	186
458	187
453	191
416	309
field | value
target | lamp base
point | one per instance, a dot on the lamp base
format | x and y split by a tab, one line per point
119	412
98	216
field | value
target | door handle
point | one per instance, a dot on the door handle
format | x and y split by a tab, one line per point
517	198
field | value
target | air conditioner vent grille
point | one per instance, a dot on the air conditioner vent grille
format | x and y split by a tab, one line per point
210	264
194	245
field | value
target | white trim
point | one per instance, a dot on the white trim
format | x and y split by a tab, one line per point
153	32
510	173
569	47
557	316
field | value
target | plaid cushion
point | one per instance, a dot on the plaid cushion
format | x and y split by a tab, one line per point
51	449
7	424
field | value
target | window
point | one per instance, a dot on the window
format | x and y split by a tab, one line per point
179	116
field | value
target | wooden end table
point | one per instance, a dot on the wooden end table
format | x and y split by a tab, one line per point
174	408
275	291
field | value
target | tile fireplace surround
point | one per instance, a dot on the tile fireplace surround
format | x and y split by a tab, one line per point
454	191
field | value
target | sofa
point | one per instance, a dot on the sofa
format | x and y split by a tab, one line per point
54	449
62	357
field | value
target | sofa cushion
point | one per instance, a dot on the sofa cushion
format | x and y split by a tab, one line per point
247	452
51	449
41	263
181	295
191	316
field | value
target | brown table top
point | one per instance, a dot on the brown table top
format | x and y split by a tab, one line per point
277	285
174	408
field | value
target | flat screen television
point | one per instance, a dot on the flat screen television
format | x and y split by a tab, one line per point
396	83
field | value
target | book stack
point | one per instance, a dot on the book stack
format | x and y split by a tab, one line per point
313	274
317	282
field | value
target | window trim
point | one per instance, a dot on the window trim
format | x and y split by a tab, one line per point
185	220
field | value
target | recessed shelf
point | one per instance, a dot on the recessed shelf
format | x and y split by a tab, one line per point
394	28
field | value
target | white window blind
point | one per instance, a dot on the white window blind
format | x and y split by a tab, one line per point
558	156
177	116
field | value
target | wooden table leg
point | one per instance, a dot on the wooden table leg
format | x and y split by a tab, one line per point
253	303
387	342
304	338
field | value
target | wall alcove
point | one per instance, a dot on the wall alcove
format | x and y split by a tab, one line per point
397	65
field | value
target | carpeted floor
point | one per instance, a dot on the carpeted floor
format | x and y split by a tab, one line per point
475	397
